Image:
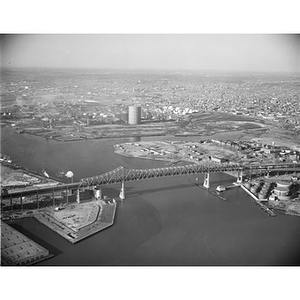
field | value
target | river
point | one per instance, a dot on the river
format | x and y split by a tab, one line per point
165	221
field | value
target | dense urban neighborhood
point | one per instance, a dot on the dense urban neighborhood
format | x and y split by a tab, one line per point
71	108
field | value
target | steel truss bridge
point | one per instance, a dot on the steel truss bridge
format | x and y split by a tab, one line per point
121	175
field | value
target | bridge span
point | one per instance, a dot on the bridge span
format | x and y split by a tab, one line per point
122	175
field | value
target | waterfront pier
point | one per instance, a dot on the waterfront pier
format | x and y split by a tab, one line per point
256	201
122	192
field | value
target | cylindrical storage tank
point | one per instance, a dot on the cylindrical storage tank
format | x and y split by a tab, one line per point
247	185
281	191
134	115
284	197
253	189
284	184
262	196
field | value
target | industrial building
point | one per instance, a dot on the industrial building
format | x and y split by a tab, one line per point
217	159
134	115
17	249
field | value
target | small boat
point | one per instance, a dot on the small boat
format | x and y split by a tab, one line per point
221	188
58	208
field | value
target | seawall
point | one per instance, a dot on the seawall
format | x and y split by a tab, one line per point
256	201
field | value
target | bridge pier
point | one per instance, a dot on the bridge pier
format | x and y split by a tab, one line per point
78	196
67	195
21	200
53	199
37	199
239	177
206	183
122	192
98	193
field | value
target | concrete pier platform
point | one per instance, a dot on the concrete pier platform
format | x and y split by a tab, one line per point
78	221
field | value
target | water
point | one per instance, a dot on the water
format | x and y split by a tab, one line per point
165	221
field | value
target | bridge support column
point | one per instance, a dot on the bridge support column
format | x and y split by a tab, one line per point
67	195
122	192
98	193
239	179
53	198
37	199
21	200
206	181
78	196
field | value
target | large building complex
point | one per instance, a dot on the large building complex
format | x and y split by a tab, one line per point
134	115
17	249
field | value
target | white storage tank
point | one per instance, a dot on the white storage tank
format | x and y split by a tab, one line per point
134	115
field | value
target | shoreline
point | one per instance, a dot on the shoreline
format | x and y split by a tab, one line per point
270	212
60	138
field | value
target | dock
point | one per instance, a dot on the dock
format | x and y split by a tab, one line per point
216	194
101	215
270	212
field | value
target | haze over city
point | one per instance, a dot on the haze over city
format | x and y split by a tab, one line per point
224	52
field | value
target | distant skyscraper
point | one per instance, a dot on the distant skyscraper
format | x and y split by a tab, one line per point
134	115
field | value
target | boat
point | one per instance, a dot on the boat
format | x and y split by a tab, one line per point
58	208
221	188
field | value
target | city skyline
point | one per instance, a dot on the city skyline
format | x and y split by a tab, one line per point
208	52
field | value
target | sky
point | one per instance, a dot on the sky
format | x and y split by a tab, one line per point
229	52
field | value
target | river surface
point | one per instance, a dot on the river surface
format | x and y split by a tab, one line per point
165	221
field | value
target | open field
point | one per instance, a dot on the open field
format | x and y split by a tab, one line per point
13	178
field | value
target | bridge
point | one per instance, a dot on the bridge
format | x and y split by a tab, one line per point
122	175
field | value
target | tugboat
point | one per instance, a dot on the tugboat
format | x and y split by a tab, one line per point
221	188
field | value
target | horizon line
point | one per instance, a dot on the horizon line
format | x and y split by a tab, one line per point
8	68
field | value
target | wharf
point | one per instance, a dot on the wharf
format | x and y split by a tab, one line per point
270	212
212	192
217	195
93	219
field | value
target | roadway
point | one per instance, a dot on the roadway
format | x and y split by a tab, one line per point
123	175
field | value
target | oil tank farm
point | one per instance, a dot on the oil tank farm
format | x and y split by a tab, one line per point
134	115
